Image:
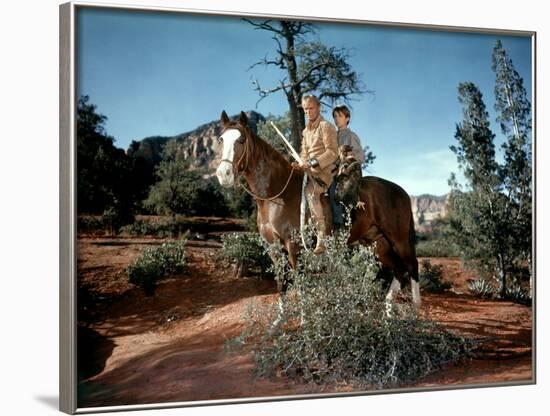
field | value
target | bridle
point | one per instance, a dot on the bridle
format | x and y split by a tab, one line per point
239	172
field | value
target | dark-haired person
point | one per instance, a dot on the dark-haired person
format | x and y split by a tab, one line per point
346	137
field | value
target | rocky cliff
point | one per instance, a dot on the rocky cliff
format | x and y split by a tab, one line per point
200	146
426	209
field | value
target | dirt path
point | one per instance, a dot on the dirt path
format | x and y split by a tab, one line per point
170	347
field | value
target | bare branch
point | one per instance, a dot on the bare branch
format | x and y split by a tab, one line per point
265	62
265	25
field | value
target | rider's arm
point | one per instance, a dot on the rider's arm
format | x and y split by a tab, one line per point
330	155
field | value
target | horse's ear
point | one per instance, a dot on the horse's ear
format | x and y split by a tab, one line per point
243	119
224	119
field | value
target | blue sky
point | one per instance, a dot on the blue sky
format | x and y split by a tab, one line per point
164	74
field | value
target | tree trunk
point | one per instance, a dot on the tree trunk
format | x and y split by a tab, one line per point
501	276
242	269
297	123
530	276
294	94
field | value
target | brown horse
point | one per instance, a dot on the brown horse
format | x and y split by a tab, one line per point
387	219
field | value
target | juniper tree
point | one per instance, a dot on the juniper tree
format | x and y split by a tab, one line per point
480	223
166	196
180	190
308	67
104	171
514	117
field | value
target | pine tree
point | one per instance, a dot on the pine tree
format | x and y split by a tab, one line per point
514	116
479	221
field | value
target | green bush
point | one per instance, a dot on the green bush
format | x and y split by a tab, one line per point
481	288
435	244
155	263
431	278
333	325
246	250
90	223
163	228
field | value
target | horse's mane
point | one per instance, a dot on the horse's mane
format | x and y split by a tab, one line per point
260	149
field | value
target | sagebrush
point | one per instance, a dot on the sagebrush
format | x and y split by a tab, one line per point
155	263
431	278
333	325
246	250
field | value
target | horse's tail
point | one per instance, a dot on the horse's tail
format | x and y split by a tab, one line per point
412	248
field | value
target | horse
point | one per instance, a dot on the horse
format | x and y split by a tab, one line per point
276	186
381	213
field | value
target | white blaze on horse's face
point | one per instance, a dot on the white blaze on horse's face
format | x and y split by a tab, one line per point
224	172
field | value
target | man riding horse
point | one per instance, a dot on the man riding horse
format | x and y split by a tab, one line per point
319	156
386	218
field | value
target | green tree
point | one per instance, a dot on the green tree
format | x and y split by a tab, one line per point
268	133
481	222
514	117
308	67
180	190
104	171
168	195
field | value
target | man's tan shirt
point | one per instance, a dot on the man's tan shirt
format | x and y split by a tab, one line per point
319	142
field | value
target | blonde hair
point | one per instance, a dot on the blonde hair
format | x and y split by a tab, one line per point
311	97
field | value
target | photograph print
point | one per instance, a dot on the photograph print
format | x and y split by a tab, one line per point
282	207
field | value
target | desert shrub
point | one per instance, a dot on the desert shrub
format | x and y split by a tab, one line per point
431	278
90	223
333	325
481	288
108	222
435	244
247	250
155	263
163	228
114	216
518	294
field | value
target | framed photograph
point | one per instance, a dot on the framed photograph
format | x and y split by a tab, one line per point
262	207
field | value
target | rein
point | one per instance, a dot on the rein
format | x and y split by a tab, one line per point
238	172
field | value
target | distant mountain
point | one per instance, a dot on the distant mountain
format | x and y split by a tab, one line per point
200	146
426	208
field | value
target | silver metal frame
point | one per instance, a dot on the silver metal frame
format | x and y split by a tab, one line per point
67	205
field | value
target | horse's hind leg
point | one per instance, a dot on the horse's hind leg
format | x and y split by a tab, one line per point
412	270
391	260
395	287
410	263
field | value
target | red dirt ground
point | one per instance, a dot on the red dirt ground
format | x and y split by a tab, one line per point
134	349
